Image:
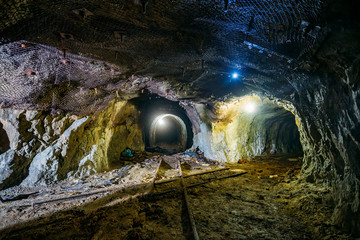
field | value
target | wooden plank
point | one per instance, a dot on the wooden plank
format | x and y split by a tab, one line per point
191	175
206	172
216	179
167	181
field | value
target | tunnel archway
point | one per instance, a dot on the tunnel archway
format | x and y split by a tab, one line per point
252	126
166	126
278	129
168	131
4	140
273	129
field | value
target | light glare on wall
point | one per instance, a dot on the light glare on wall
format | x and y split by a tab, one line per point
250	107
161	122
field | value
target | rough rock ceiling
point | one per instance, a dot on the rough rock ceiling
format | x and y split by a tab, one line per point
186	46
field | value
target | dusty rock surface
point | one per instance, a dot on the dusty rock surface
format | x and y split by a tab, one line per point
268	202
20	204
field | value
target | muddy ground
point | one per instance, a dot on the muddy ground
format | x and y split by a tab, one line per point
268	202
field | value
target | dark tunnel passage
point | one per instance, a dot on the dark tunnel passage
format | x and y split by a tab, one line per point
166	127
169	133
278	129
4	140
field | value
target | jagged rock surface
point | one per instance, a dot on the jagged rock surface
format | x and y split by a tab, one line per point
45	149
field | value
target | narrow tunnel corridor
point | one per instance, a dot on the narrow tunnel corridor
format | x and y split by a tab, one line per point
253	126
166	126
278	129
168	132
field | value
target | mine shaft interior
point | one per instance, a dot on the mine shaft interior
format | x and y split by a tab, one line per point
169	133
166	127
186	119
281	130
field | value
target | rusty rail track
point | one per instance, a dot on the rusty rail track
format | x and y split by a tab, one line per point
93	193
187	203
149	190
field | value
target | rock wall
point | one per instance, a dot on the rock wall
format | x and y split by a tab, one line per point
327	105
331	139
239	134
324	96
45	149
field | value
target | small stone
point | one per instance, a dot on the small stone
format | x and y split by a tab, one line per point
242	161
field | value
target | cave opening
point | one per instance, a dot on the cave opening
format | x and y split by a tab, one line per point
4	140
166	126
279	129
254	126
168	132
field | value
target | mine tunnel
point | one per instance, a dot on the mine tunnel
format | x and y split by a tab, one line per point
4	140
169	132
281	130
179	119
166	127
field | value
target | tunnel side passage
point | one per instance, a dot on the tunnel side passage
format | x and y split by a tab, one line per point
168	131
251	126
166	127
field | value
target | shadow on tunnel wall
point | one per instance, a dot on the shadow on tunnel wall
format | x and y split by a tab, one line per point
125	133
4	140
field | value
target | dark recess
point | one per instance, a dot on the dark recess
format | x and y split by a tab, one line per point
4	140
152	105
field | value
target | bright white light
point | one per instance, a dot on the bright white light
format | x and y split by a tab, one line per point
250	107
161	122
235	75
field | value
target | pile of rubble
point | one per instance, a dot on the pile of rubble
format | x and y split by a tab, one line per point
20	204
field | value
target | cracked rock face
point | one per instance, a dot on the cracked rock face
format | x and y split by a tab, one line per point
35	140
249	127
329	128
330	136
45	149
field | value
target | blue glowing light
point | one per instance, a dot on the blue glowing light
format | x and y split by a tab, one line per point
235	75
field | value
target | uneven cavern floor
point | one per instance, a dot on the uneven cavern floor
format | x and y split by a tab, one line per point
267	202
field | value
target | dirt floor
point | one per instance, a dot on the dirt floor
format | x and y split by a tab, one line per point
266	202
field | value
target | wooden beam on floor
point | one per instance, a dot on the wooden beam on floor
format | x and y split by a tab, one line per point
216	179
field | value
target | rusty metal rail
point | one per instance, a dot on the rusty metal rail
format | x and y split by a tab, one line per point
111	190
148	189
187	203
